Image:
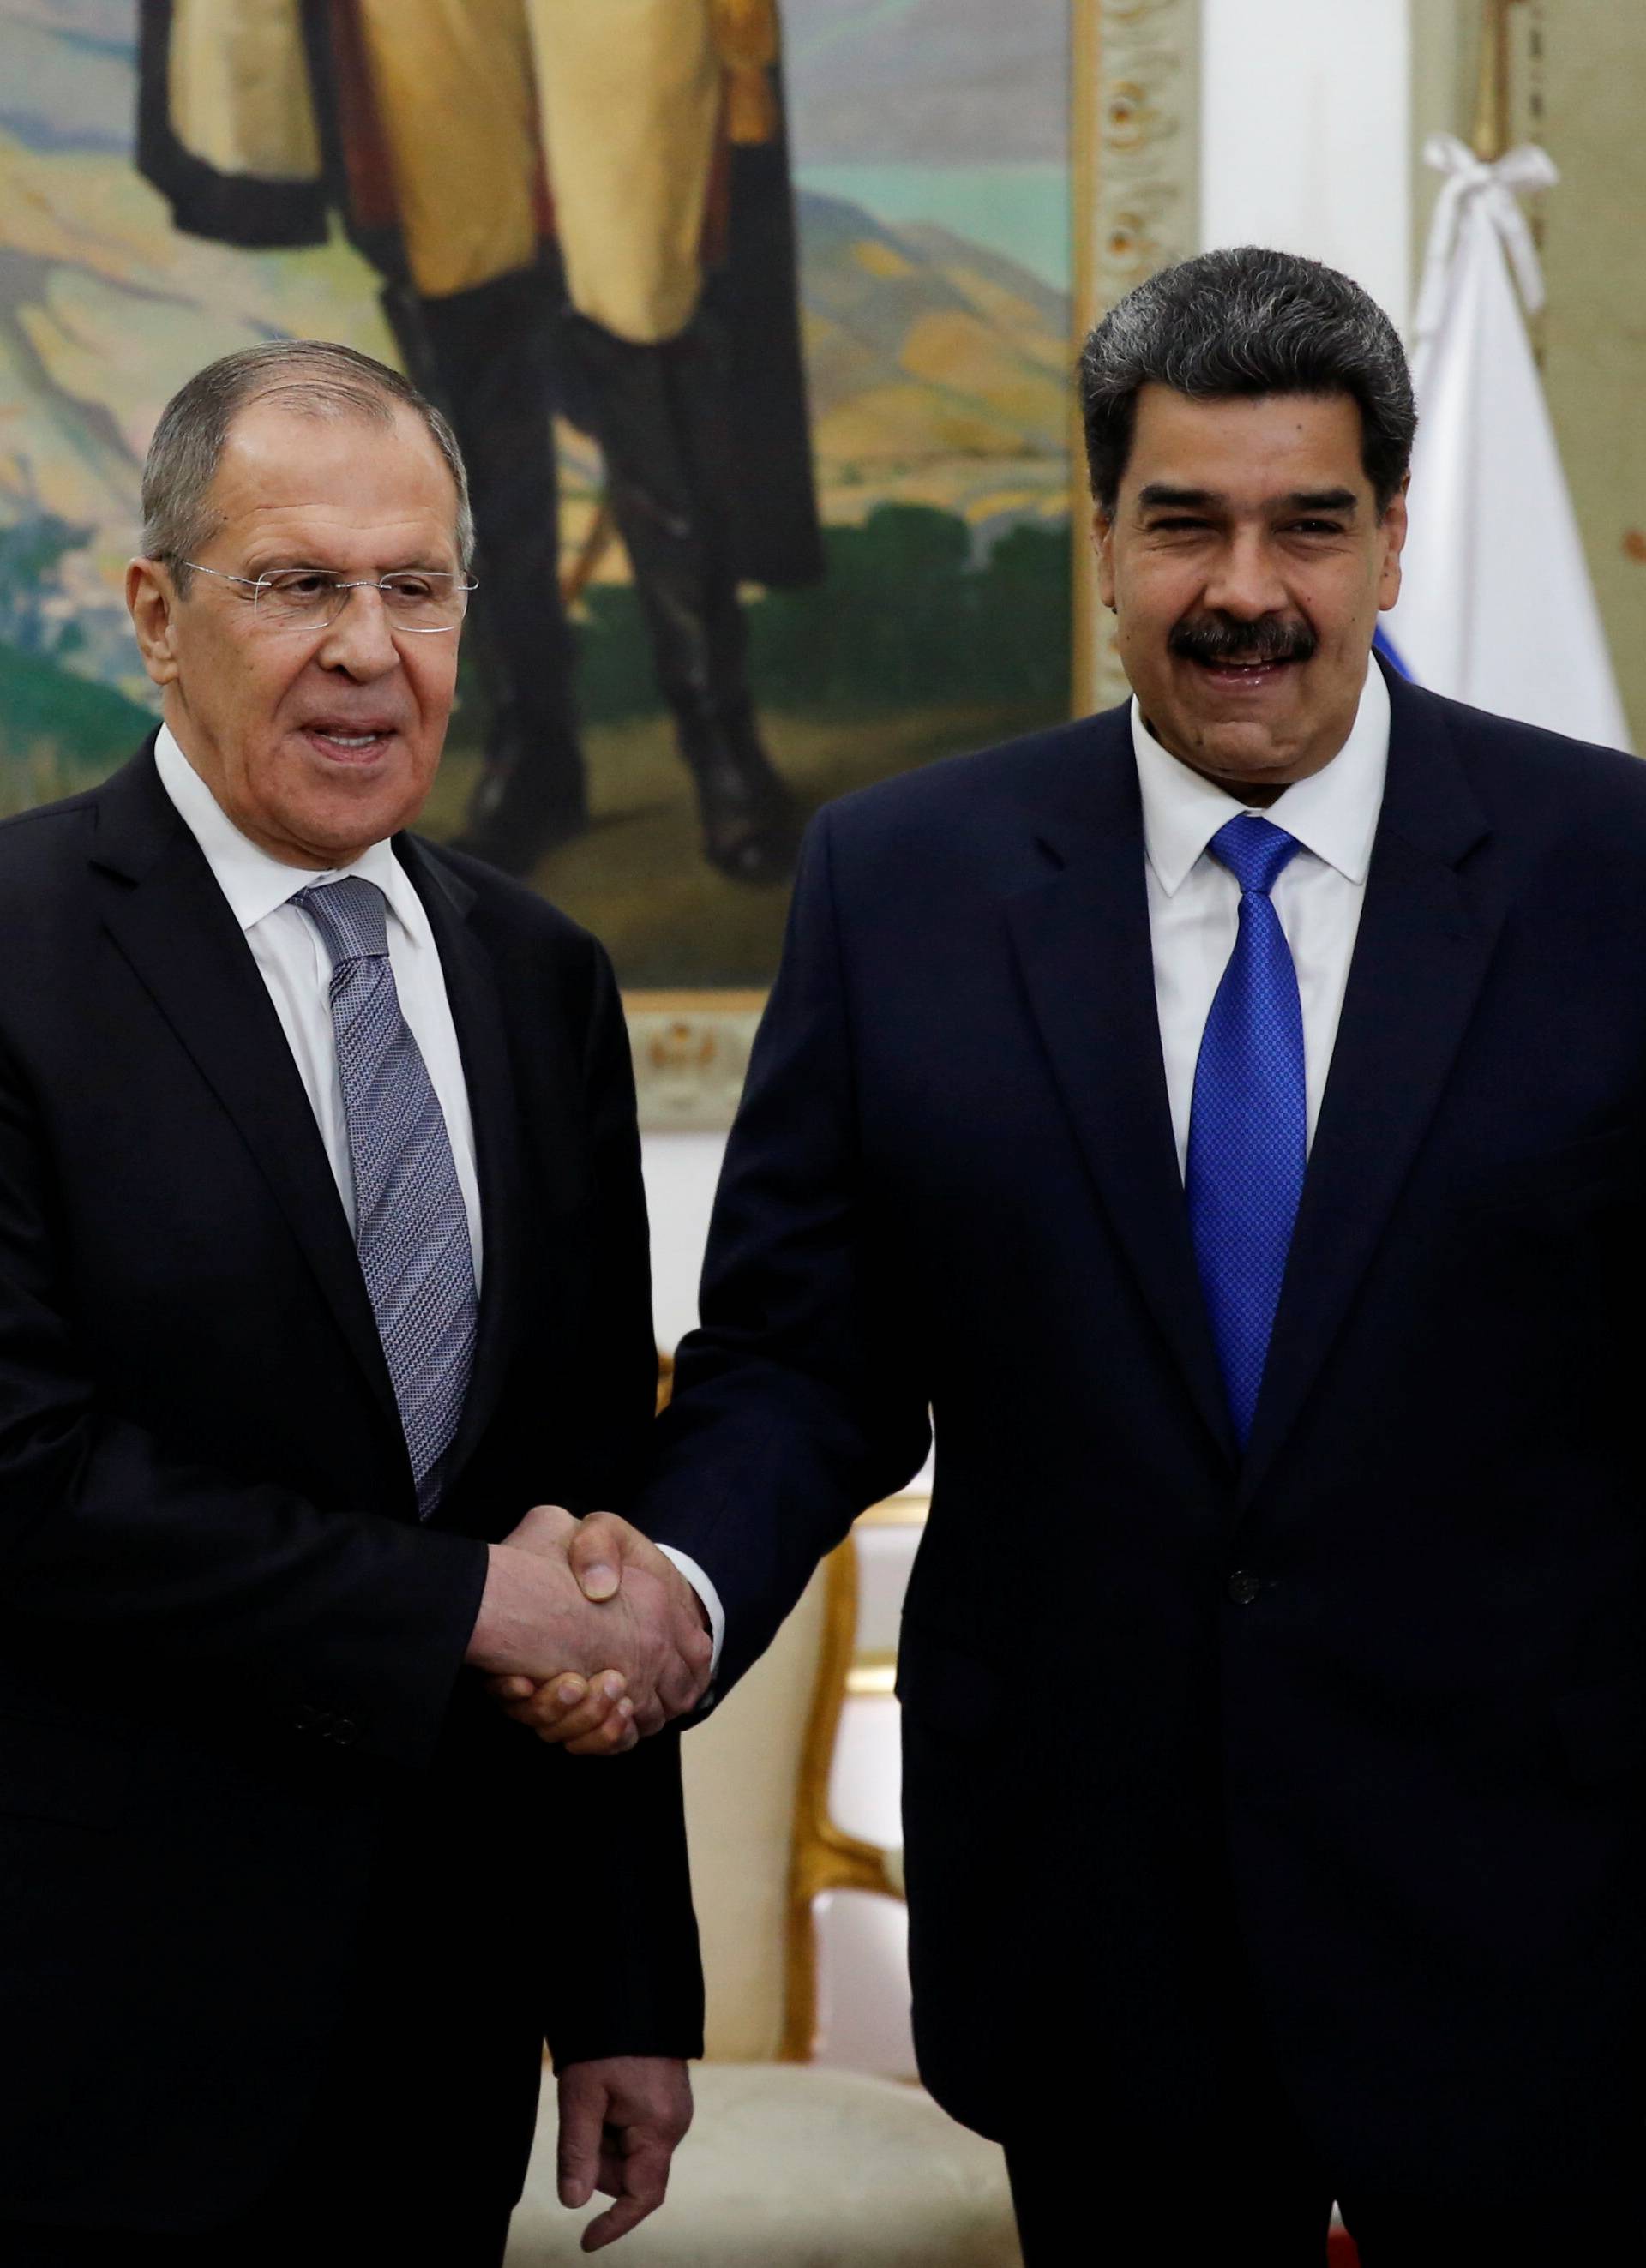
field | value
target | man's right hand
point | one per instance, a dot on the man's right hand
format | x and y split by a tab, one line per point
552	1648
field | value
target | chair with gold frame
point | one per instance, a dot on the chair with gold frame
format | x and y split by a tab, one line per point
790	2162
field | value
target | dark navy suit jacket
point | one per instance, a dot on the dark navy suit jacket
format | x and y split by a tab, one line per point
1360	1711
242	1764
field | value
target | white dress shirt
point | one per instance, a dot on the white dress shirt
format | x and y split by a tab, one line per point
1194	901
295	965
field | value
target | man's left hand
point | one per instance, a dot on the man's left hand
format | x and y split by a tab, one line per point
620	2121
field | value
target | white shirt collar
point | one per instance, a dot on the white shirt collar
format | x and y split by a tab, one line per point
255	884
1333	813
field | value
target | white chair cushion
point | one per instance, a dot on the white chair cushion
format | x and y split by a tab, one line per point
793	2166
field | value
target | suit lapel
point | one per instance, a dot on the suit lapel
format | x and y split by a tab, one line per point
471	990
1427	933
165	913
1081	937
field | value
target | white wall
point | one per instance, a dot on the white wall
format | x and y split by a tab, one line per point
1306	134
681	1171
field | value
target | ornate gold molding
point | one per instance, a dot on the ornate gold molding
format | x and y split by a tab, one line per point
690	1053
1136	189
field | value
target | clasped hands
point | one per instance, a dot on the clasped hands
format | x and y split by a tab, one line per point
588	1635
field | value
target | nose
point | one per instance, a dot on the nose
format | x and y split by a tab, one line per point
1245	581
359	638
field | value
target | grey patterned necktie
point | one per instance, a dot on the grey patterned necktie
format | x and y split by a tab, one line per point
412	1230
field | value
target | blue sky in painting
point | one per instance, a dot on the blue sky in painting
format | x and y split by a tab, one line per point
952	111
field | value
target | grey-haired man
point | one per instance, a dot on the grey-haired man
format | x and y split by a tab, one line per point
322	1263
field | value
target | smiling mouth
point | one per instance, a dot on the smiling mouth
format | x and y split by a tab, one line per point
1248	675
352	745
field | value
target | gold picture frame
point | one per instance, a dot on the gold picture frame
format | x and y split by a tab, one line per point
1134	92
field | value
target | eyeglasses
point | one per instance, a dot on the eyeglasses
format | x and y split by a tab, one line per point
309	598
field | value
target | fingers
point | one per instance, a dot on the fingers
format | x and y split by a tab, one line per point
650	1715
567	1709
583	2099
568	1706
684	1684
546	1530
586	1717
615	1738
597	1553
644	2179
644	2102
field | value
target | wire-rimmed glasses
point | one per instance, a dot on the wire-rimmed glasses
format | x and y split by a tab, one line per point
415	599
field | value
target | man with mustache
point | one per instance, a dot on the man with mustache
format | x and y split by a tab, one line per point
322	1262
1225	1116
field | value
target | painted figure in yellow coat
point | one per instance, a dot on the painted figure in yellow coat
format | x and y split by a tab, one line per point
579	205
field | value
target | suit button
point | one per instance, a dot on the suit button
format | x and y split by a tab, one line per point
344	1731
1243	1589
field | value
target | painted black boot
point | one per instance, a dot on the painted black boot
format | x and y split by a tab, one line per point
482	354
660	417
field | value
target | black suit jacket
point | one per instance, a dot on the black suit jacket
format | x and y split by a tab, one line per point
1362	1710
238	1748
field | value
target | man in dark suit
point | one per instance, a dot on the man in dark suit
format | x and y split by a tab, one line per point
322	1262
1225	1116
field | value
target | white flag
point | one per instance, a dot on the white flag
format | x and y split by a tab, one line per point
1496	607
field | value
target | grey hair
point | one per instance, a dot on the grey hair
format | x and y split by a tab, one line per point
314	377
1247	322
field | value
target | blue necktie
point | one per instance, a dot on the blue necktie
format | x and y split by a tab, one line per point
411	1228
1249	1125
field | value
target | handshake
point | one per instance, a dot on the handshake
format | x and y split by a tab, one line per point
587	1634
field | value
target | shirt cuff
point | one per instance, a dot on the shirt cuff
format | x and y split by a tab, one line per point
710	1597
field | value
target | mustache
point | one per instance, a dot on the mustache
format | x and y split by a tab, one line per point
1219	637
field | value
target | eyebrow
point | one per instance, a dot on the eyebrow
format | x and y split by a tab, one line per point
1163	496
282	560
1338	500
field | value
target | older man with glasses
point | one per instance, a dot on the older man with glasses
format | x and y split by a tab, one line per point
322	1263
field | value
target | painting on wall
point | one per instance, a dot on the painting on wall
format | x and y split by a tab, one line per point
754	324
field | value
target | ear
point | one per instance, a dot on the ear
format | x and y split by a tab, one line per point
152	601
1392	534
1102	544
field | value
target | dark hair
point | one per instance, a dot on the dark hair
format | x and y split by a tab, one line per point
1243	323
311	376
